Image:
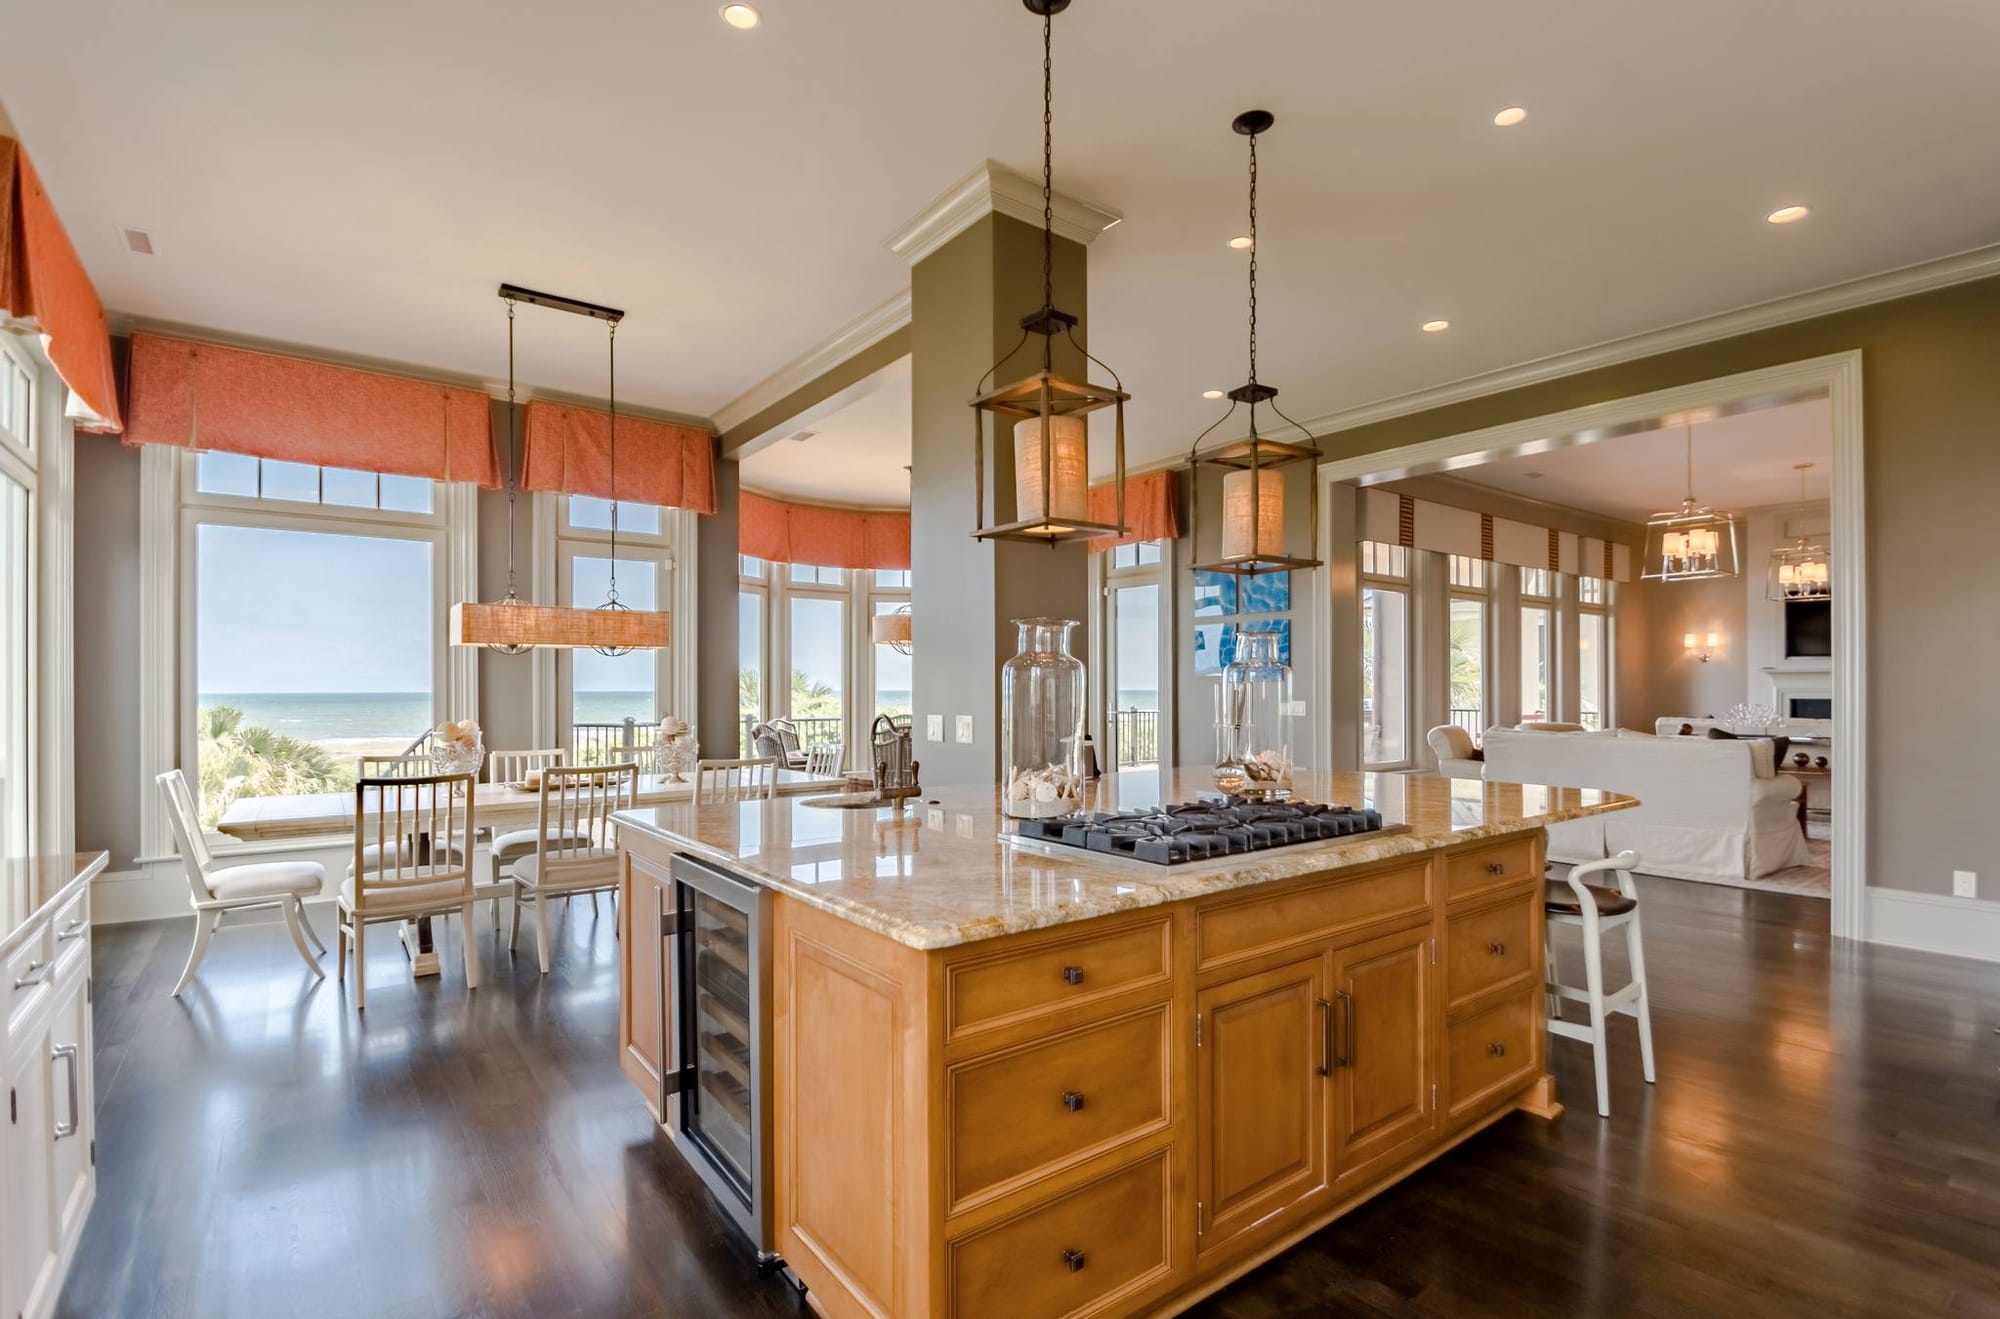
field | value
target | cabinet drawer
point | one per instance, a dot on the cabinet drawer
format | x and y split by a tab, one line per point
1231	930
28	977
987	992
1080	1253
1512	862
1492	1052
1489	947
70	931
1015	1115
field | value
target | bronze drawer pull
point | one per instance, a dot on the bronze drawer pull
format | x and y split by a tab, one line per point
1073	1258
1496	1050
1073	1100
1072	975
1497	948
1496	867
1345	1057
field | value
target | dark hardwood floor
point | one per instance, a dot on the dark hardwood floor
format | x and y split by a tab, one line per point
1824	1140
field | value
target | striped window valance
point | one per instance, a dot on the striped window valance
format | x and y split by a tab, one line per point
780	531
1392	519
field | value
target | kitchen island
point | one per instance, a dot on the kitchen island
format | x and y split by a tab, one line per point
969	1077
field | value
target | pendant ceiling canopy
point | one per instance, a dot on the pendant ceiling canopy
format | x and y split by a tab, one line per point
511	626
1046	410
1694	543
1253	532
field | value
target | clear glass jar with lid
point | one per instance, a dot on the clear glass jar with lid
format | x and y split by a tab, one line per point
1041	722
1253	733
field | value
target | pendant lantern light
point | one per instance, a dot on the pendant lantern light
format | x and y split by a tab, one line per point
1804	569
511	626
1692	544
1051	439
1252	532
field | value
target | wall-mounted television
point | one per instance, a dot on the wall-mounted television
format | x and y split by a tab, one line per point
1808	629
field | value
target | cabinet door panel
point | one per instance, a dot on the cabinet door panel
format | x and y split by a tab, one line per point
1262	1096
1382	1091
29	1244
69	1089
643	948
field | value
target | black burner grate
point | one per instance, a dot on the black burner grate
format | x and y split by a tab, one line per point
1201	831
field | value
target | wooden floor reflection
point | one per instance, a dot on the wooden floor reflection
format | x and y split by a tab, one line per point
1822	1141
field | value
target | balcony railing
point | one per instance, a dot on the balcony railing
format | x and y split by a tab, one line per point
1471	718
607	744
1135	737
813	729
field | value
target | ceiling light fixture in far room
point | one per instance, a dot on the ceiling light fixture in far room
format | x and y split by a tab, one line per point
740	16
1051	437
1804	569
1252	535
1788	214
1240	242
511	625
1693	543
1507	118
1436	327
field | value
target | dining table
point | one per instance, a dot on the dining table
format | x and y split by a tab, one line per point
328	817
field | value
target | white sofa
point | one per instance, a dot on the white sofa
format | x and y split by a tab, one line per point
1708	809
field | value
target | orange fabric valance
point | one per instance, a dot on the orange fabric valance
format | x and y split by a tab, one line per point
782	532
43	284
1152	509
569	452
237	400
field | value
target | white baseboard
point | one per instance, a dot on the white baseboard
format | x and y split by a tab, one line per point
1932	923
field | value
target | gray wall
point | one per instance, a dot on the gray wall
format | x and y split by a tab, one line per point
715	716
1681	684
506	682
108	779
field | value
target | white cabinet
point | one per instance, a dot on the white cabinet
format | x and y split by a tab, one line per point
48	1176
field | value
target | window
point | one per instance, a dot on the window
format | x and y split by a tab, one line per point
1385	655
806	574
893	681
312	627
614	701
1593	644
1139	554
1467	673
17	605
1467	574
817	698
892	579
1538	582
1135	641
750	664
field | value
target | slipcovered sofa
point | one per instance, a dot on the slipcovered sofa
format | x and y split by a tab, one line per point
1708	810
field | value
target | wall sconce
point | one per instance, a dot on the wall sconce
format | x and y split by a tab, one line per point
1702	650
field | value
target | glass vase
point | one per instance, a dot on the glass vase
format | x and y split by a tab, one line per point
1254	728
1041	722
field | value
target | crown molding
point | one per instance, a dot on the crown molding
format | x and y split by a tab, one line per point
864	331
1924	277
992	188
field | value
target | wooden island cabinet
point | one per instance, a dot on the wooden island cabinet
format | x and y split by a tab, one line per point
1009	1083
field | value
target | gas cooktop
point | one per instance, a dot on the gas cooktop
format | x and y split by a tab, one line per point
1199	831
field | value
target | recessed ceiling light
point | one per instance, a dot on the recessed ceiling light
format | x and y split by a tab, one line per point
1788	214
1240	242
1211	393
1436	327
739	15
1512	115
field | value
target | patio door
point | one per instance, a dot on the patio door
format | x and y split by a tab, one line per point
1135	695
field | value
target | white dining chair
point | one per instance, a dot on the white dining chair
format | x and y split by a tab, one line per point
506	848
214	890
575	851
735	780
398	874
823	760
1575	902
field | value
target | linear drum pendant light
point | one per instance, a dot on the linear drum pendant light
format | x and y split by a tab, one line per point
1804	569
1046	410
1253	483
611	628
1693	543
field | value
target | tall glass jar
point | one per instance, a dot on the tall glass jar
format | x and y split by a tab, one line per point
1254	727
1041	722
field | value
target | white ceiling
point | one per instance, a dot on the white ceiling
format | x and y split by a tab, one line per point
859	453
359	177
1741	461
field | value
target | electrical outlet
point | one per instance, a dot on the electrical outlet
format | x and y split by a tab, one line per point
965	729
934	727
1964	884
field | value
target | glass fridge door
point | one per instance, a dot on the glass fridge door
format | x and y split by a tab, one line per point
715	1108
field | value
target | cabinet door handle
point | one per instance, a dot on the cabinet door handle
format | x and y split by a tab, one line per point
1326	1038
66	1053
1345	1058
1073	1100
36	973
73	930
1072	975
1073	1258
1496	1049
1497	948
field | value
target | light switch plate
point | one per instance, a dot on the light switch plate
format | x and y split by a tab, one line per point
965	729
1964	884
1295	709
934	727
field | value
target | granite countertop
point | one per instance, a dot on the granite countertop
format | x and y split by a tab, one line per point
29	885
939	875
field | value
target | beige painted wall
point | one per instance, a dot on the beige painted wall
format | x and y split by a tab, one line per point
108	779
1678	683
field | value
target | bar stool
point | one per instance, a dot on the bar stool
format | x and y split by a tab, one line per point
1594	909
